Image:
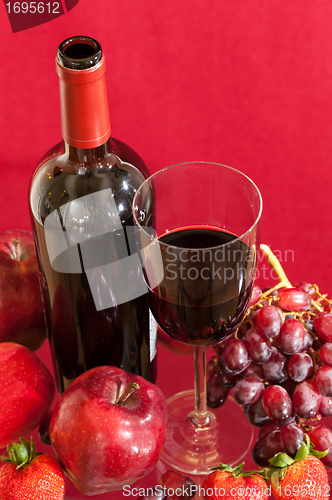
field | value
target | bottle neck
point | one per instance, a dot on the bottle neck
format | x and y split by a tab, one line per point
85	120
87	156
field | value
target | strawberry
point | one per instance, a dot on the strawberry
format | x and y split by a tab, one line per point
27	474
234	483
303	477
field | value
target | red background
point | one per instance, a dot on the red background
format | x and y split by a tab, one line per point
244	83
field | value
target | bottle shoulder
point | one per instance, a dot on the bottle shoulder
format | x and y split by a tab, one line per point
58	179
128	154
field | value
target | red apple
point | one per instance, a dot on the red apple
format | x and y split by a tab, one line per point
108	429
26	392
21	308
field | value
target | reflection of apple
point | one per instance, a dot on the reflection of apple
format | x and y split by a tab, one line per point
26	392
173	345
108	429
21	309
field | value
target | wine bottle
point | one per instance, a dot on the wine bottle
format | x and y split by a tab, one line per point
81	195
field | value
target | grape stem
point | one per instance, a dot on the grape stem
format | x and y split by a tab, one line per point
275	264
322	297
283	280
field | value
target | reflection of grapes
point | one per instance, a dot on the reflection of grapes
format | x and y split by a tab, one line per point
279	366
177	486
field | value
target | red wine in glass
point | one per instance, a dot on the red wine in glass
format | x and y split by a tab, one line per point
190	303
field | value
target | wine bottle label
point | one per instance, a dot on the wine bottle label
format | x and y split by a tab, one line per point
153	328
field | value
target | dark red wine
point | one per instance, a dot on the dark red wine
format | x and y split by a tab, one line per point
206	285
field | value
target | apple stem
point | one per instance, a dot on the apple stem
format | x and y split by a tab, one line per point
128	391
14	251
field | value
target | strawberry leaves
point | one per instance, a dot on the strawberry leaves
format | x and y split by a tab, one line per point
237	471
20	454
279	463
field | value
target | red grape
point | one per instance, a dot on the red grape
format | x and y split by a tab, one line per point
325	407
212	366
290	339
294	299
258	345
248	391
306	399
235	357
242	330
277	404
219	347
269	320
325	353
256	414
300	366
323	326
279	364
292	438
266	447
216	395
321	438
324	380
267	428
253	370
255	295
306	287
274	369
253	316
308	341
227	381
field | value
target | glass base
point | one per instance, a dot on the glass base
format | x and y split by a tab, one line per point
194	450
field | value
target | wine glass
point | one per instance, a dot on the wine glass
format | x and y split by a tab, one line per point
199	267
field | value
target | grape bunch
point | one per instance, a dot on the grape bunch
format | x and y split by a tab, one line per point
278	366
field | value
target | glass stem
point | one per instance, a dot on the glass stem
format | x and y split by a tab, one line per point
200	417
